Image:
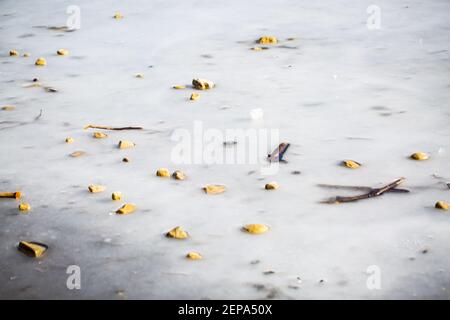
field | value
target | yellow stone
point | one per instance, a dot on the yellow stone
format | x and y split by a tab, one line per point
194	255
194	96
124	144
62	52
13	53
24	206
70	140
116	196
179	87
351	164
163	172
118	16
76	154
202	84
26	55
268	40
272	186
177	233
126	209
33	249
214	189
139	75
256	228
257	49
8	108
96	188
442	205
125	159
99	135
41	62
179	175
419	156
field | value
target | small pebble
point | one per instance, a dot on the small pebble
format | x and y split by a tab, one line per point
163	173
194	255
351	164
419	156
117	195
76	154
272	186
118	16
256	228
214	189
8	108
178	175
62	52
268	40
41	62
442	205
202	84
124	144
126	209
194	96
177	233
95	188
24	207
99	135
32	249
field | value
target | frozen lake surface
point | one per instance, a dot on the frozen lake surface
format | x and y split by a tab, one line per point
339	90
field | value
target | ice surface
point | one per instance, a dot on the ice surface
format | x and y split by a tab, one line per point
338	91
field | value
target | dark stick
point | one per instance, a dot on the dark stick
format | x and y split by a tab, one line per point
373	193
278	153
359	188
93	126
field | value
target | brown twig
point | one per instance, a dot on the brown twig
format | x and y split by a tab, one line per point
93	126
359	188
373	193
12	195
